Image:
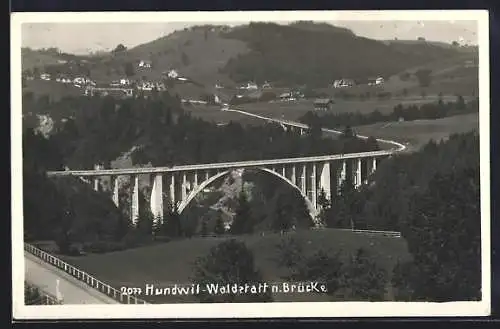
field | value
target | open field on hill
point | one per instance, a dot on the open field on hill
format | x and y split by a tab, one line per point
172	262
417	133
294	110
55	90
214	114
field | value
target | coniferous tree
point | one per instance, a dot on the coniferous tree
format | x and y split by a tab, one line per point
219	226
229	262
242	221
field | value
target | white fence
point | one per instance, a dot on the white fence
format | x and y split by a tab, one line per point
83	277
390	234
45	297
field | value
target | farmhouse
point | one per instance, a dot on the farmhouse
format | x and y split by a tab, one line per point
172	74
375	81
323	104
343	83
286	96
114	92
145	64
45	76
266	85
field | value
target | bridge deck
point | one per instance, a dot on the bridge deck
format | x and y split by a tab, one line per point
73	291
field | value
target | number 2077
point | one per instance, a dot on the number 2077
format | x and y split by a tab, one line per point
130	291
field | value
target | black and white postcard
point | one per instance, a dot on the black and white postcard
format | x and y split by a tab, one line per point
250	164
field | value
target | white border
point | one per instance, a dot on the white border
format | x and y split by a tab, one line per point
297	309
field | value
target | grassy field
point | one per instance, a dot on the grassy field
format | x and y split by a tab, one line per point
54	89
417	133
294	110
215	115
172	262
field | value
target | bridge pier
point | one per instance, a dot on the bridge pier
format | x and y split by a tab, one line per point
373	166
325	182
357	171
96	184
195	177
341	176
134	214
172	189
115	190
294	175
303	180
314	189
157	199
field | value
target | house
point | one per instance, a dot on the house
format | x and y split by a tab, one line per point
145	64
266	85
375	81
252	86
124	82
323	104
113	92
115	83
173	74
341	83
45	76
285	96
218	86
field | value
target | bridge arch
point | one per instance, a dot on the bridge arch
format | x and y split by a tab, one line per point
312	210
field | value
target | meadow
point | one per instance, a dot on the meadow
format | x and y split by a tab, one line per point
172	262
419	132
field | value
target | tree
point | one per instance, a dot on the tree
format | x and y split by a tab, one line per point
185	59
461	106
219	228
128	67
323	267
290	252
405	92
424	77
242	221
120	48
444	237
204	229
363	279
229	262
145	224
455	43
172	222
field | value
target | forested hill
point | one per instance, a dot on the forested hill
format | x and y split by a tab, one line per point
314	54
300	53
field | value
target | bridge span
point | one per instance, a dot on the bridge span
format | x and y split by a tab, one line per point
310	176
395	146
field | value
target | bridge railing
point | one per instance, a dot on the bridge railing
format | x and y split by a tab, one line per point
83	276
45	297
391	234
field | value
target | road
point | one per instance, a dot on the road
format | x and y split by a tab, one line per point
399	147
72	291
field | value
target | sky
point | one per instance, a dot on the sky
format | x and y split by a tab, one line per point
81	38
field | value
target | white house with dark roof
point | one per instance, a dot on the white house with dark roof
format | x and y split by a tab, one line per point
145	64
323	104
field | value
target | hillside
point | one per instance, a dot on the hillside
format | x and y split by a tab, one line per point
300	53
